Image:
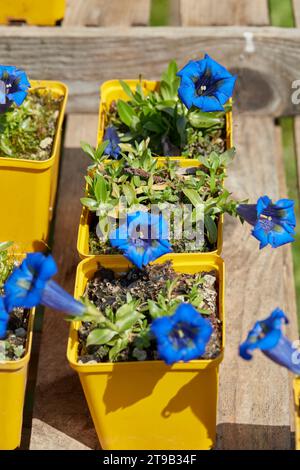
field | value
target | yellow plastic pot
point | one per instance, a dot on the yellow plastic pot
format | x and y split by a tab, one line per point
149	405
33	12
84	236
112	90
28	189
297	411
13	378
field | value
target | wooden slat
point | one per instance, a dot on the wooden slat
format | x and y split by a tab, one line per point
266	59
81	127
45	437
59	400
296	6
254	408
224	12
297	142
107	13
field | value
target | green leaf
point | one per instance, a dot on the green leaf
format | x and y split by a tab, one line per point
104	226
127	321
127	89
100	149
193	196
89	202
121	344
100	189
212	230
126	112
170	74
154	309
165	91
124	310
100	336
129	193
5	245
152	126
88	149
201	120
172	70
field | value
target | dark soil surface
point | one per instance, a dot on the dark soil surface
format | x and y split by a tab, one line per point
107	290
14	346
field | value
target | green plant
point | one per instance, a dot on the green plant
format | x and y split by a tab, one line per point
154	293
6	264
163	118
28	131
139	181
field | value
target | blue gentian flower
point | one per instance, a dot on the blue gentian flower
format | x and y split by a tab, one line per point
273	223
14	86
205	84
112	149
30	284
267	336
3	318
142	238
182	336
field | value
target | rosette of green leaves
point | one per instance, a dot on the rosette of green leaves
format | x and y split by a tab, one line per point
160	116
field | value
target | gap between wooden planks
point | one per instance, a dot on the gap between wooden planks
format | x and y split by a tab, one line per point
254	404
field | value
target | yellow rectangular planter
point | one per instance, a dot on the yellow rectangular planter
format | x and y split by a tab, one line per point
33	12
297	411
28	189
112	90
84	236
149	405
13	379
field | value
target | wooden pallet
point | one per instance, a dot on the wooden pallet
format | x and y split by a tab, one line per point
255	397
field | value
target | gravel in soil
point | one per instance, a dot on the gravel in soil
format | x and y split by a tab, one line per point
107	290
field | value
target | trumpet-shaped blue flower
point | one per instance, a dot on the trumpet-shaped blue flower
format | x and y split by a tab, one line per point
112	149
14	86
273	224
267	336
142	238
182	336
30	284
205	84
3	318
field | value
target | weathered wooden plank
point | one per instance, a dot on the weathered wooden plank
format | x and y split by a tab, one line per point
81	127
297	142
267	60
224	13
296	7
45	437
59	400
107	13
254	407
288	266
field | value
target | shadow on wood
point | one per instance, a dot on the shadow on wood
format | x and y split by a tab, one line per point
59	397
235	436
